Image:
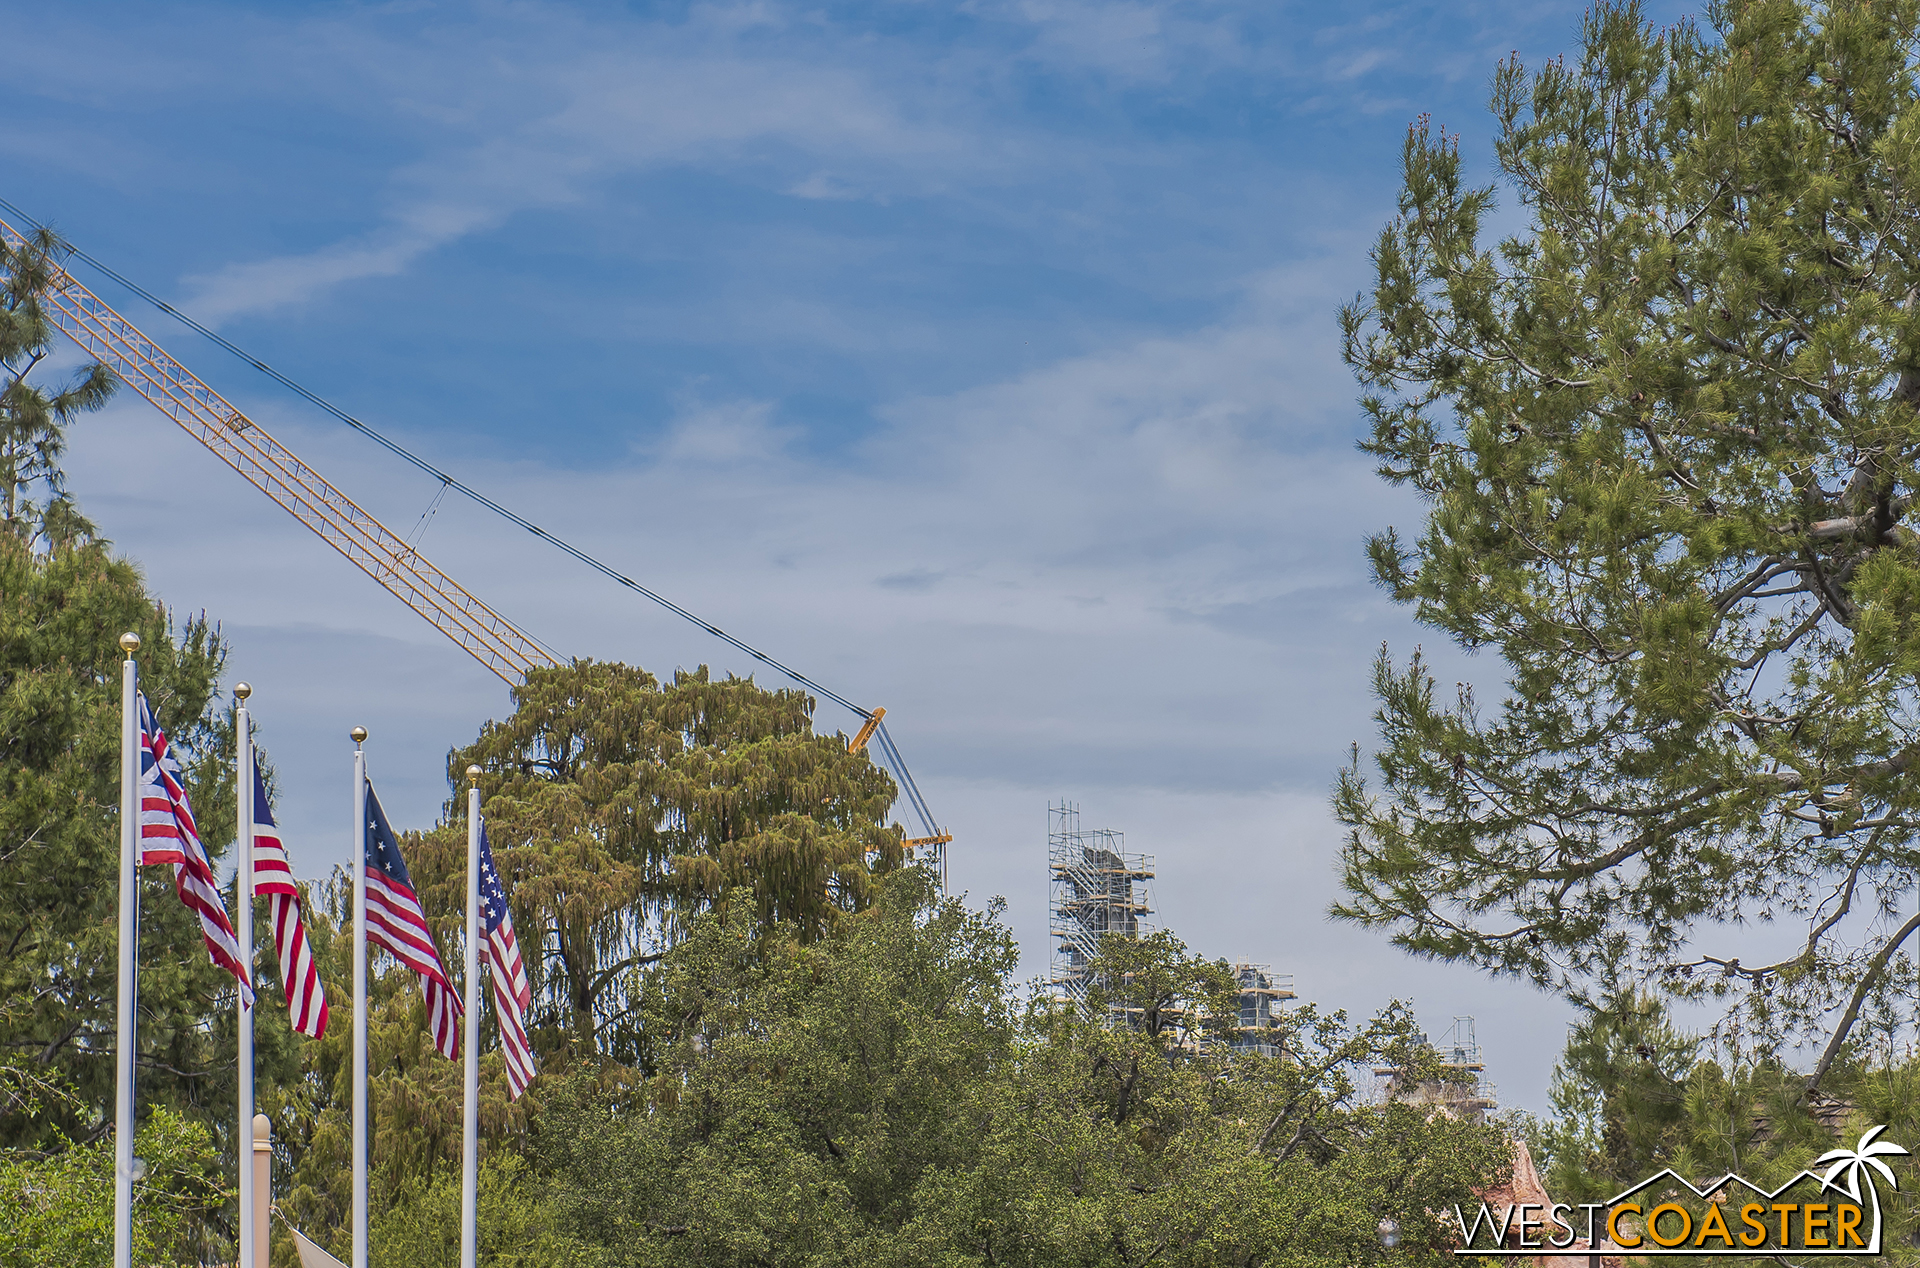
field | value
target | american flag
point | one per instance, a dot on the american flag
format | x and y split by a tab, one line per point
168	835
166	817
273	876
395	921
512	993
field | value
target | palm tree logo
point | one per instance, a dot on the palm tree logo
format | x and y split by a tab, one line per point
1858	1164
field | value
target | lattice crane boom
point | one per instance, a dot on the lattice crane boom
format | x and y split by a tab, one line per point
272	468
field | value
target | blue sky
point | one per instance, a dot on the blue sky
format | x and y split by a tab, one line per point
978	358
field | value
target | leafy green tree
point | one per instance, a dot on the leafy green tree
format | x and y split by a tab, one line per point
1150	984
1881	1080
616	809
58	1208
1667	433
1619	1097
803	1089
414	1093
1634	1093
64	601
873	1096
1141	1143
617	806
514	1223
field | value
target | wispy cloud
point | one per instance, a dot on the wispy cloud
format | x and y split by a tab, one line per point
823	185
732	432
264	285
780	97
1164	503
631	101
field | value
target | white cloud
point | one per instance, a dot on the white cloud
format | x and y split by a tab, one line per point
730	432
269	284
1118	567
1039	558
553	118
1122	38
822	185
559	115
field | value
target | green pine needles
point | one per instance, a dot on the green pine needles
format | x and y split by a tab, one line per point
1668	436
33	421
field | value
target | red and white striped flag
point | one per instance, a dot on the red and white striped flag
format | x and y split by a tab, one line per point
168	835
273	876
396	922
512	993
166	817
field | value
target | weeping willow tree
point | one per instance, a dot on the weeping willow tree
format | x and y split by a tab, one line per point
618	806
1668	439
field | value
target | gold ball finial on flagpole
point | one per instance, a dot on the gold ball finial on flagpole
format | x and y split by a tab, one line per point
129	643
473	774
242	689
359	735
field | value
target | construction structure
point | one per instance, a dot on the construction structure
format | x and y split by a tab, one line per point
1462	1089
1097	889
395	563
1262	991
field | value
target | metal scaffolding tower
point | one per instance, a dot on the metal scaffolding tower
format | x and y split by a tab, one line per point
1097	889
1262	991
1463	1090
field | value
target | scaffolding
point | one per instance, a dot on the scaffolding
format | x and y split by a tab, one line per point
1097	889
1463	1090
1262	991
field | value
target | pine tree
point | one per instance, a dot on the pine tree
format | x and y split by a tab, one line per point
1667	430
33	421
64	602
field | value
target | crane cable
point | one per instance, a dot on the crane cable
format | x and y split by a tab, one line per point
448	481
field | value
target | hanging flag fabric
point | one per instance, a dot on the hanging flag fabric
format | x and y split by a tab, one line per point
273	878
396	922
177	841
312	1254
166	816
512	993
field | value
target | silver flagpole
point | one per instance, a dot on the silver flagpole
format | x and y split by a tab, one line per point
470	1138
359	999
243	934
129	908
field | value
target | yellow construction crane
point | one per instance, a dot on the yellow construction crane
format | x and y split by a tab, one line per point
272	468
931	844
374	548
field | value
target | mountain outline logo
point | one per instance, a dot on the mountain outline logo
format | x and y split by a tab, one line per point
1670	1228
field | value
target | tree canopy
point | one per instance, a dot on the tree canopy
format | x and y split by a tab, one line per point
1634	1092
618	806
59	1210
880	1089
1667	431
877	1095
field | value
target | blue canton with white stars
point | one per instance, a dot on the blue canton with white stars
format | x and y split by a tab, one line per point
493	897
